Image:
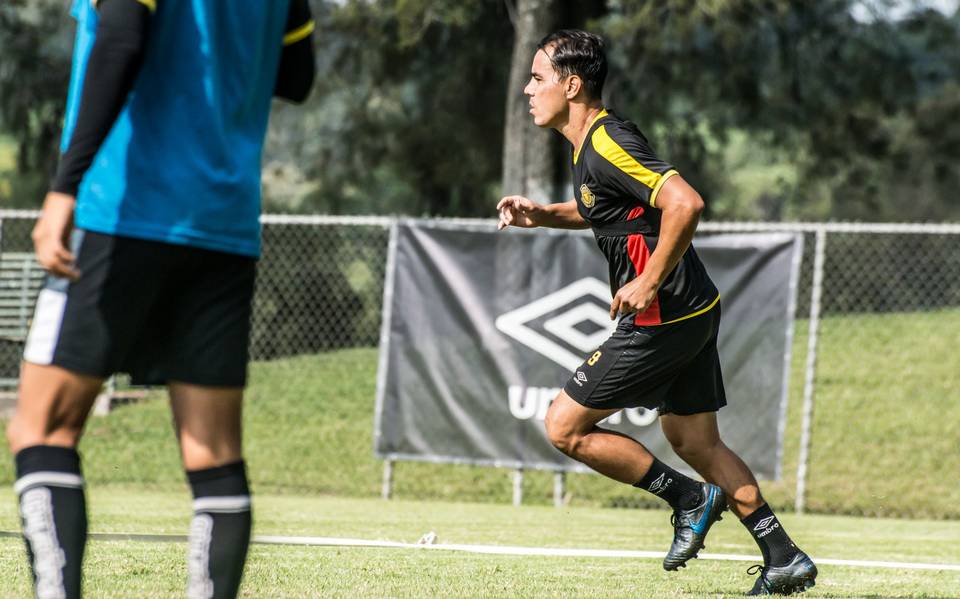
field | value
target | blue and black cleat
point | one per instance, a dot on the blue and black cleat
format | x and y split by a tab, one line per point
797	576
690	527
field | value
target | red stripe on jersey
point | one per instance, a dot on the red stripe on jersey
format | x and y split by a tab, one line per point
639	254
637	212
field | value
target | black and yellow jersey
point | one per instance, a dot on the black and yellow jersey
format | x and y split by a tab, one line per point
616	179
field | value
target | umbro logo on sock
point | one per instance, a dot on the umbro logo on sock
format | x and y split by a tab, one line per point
660	484
764	523
768	525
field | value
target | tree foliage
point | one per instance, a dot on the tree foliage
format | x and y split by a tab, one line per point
773	109
860	113
35	49
407	113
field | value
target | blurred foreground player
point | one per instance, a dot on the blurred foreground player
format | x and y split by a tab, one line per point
663	353
150	236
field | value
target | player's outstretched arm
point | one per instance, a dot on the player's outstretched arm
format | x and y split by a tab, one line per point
519	211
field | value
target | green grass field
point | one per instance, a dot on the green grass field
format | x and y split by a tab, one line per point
886	432
128	568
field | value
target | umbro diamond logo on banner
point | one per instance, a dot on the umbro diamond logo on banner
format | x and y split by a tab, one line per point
553	325
764	523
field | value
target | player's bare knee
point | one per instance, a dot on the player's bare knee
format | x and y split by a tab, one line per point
554	431
569	443
562	435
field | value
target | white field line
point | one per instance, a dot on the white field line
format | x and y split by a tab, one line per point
507	550
562	552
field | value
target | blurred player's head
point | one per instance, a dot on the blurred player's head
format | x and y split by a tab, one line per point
570	66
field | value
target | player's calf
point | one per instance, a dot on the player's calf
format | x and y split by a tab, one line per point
54	517
219	532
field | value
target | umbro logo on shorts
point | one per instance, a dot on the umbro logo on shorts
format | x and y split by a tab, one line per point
580	378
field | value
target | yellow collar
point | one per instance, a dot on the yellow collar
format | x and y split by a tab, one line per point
600	115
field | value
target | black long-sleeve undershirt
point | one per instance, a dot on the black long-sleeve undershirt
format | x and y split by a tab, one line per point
121	38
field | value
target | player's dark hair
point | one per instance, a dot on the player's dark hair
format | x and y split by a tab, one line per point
579	53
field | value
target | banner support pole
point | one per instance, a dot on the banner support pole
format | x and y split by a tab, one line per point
559	488
387	490
518	487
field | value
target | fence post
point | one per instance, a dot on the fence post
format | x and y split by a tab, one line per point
810	372
559	488
387	490
104	402
24	314
518	486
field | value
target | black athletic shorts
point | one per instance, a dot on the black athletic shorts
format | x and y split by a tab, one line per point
674	368
158	311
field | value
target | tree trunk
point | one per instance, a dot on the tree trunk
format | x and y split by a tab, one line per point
529	153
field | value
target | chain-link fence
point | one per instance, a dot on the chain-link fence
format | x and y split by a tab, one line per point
874	406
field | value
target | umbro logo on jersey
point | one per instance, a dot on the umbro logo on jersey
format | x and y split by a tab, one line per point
587	197
563	325
580	378
660	484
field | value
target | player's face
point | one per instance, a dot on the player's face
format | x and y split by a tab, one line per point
548	100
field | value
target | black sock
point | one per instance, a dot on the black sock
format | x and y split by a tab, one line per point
681	492
53	512
775	545
220	531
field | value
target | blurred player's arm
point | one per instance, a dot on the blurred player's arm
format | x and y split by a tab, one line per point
122	30
112	67
297	65
518	211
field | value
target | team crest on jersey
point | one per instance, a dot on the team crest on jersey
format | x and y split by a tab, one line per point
587	197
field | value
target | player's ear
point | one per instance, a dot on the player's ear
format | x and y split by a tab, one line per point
572	86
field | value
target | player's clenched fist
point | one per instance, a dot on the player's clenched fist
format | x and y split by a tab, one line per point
518	211
635	296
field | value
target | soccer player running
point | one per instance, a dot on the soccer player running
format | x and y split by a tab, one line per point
150	235
663	353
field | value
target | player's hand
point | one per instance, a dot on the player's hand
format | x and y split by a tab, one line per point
635	296
51	236
518	211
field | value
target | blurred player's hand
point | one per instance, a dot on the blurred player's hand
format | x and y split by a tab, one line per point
51	236
635	296
518	211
